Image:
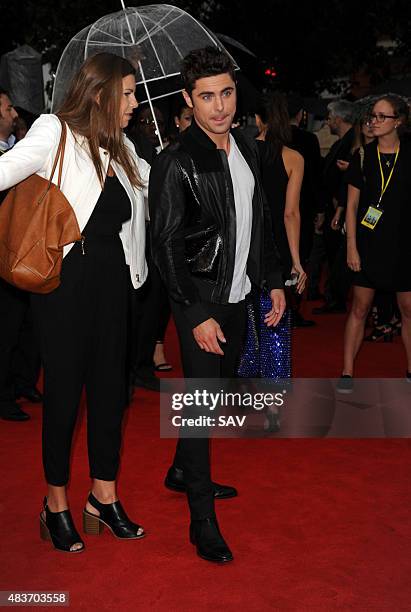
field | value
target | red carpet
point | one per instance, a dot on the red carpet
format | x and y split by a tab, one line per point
320	525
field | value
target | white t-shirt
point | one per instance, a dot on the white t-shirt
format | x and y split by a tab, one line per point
243	187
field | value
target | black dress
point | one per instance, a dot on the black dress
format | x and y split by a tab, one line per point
385	251
275	180
82	328
267	350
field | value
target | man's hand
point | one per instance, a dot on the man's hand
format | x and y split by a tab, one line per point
342	165
207	335
273	317
335	223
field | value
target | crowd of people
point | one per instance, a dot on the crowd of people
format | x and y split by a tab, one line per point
199	228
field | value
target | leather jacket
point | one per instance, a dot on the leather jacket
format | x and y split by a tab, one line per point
193	223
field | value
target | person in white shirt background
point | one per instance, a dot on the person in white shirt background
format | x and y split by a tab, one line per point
8	116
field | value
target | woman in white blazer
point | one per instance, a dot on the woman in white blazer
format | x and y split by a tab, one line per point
82	324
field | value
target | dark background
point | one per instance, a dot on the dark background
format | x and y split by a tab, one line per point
306	44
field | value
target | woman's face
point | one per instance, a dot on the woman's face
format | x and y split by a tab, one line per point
128	100
383	119
184	120
367	131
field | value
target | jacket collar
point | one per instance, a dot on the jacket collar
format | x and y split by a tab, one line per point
194	132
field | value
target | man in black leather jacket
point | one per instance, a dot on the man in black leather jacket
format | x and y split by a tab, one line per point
211	238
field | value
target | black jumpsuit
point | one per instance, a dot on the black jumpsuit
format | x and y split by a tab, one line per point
82	333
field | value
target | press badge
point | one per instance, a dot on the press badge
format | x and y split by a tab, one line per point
371	217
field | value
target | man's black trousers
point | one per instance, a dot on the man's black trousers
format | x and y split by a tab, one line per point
193	454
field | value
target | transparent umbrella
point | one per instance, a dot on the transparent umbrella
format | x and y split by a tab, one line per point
154	38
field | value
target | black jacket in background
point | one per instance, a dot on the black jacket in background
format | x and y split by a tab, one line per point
142	145
193	223
333	178
308	146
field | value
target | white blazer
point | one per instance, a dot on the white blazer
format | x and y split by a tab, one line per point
79	183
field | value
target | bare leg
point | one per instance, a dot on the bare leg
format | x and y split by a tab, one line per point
404	304
57	502
159	356
105	492
354	328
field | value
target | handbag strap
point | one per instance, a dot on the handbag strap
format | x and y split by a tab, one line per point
59	155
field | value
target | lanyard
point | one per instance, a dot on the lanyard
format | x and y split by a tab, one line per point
385	183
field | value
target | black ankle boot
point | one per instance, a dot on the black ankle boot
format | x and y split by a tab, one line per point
112	516
60	529
211	546
175	482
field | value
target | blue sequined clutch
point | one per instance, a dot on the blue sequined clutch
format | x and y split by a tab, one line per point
267	350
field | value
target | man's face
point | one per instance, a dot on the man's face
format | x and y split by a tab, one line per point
147	125
8	116
213	101
332	122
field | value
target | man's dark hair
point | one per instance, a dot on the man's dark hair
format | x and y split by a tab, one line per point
205	62
295	104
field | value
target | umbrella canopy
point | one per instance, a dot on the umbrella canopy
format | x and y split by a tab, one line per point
154	38
21	74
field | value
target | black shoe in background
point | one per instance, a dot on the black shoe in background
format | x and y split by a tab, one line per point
11	411
175	482
31	394
297	320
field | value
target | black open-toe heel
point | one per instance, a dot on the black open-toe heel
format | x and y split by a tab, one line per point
381	333
112	516
60	529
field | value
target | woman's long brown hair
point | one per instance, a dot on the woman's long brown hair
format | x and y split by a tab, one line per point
274	114
92	109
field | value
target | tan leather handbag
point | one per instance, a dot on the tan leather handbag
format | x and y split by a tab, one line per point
36	222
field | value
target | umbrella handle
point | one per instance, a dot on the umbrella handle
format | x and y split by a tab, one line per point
145	82
151	104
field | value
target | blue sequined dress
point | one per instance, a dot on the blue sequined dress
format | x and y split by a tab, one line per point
267	350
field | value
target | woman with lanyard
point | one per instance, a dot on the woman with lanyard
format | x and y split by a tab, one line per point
378	226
